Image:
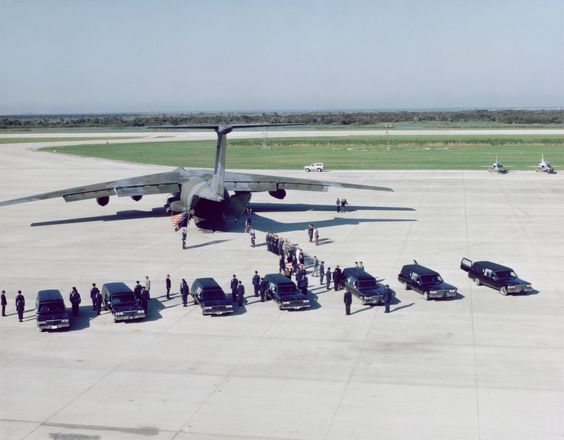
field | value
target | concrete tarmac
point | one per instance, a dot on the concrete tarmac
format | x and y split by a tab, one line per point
481	366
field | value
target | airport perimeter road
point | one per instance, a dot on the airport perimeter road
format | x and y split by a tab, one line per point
481	366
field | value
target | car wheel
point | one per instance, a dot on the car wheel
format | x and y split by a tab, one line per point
427	297
279	306
477	282
307	170
503	291
319	169
407	286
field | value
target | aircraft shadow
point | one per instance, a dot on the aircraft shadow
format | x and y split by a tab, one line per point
120	215
297	207
264	224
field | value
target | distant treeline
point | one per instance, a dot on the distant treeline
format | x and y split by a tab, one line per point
517	117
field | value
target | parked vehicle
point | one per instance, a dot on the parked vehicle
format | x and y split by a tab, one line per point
318	166
364	286
121	301
426	281
285	292
50	310
210	296
496	276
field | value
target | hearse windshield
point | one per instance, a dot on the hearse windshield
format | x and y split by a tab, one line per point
367	284
51	307
123	298
286	289
431	279
213	294
505	275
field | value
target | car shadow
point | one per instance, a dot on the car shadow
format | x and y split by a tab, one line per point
239	310
154	310
82	321
401	307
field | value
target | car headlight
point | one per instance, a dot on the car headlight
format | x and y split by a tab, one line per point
305	301
208	308
119	313
42	322
140	311
529	286
65	321
432	291
452	291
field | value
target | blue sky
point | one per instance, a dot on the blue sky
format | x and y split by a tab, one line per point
142	56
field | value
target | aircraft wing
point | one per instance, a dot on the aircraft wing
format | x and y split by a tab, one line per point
259	182
168	182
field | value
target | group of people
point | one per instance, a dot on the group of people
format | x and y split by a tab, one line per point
20	304
313	234
341	205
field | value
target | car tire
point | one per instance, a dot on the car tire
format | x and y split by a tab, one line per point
426	295
319	169
407	286
477	281
307	170
503	291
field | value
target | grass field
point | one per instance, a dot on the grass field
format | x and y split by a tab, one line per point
356	152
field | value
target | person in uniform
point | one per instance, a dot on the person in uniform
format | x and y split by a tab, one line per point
98	302
316	236
262	289
253	236
145	301
93	293
148	285
256	283
240	294
315	266
328	279
137	291
184	235
234	285
339	284
347	298
184	292
336	279
4	303
310	232
387	299
321	272
20	305
305	283
75	301
281	265
338	203
168	284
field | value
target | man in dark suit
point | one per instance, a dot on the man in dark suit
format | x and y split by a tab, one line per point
347	298
256	283
168	284
93	293
184	292
98	302
20	305
4	303
234	285
387	299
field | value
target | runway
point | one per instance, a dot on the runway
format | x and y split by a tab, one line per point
481	366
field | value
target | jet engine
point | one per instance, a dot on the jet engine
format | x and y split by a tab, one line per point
278	194
103	201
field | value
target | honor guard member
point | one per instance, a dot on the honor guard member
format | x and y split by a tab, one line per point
145	301
304	285
338	203
338	278
184	234
315	266
253	236
262	289
184	291
20	305
328	279
256	283
310	232
4	303
316	236
234	285
148	285
347	298
387	299
240	294
98	302
75	301
321	272
93	293
168	284
137	291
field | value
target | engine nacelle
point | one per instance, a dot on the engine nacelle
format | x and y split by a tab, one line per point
137	198
103	201
278	194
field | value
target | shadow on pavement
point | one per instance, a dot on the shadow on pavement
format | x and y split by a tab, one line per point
120	215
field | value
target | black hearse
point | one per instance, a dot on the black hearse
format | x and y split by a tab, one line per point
364	286
121	301
426	281
285	293
50	310
211	297
496	276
